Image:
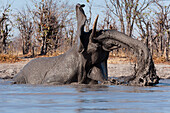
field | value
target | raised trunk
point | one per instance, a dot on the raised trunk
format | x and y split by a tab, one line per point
145	72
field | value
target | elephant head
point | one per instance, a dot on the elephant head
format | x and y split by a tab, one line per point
96	45
93	55
145	72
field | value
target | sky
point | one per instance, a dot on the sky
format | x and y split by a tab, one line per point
97	8
98	5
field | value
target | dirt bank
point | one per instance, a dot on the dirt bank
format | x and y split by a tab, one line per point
9	70
121	68
117	70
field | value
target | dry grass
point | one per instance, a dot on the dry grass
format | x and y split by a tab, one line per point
122	57
114	58
5	58
57	53
160	60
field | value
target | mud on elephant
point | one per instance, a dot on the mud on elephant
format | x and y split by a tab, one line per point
86	61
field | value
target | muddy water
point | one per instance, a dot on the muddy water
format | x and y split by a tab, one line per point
84	99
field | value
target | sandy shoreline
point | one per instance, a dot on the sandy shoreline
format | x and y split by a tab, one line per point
8	70
117	70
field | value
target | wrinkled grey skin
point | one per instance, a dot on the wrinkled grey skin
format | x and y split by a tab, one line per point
85	62
145	72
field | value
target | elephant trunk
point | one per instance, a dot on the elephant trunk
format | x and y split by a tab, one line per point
145	72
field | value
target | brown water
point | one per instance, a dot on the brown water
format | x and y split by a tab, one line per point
84	99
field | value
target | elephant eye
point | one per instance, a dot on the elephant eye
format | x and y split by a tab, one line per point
92	47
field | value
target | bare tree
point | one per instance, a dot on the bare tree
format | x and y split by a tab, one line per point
50	19
5	28
25	26
162	28
127	11
88	22
108	21
153	28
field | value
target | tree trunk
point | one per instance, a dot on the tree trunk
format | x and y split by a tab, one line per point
166	52
33	51
147	35
146	41
151	39
23	47
4	45
160	45
1	47
43	47
128	26
122	26
26	46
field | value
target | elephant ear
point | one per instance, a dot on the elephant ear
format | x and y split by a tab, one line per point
81	19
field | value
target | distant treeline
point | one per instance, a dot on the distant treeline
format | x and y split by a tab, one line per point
49	26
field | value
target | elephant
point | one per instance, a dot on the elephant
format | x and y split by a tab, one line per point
86	61
144	70
80	64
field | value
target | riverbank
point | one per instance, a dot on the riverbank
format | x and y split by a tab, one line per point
116	67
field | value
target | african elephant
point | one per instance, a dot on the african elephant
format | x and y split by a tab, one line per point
145	72
85	62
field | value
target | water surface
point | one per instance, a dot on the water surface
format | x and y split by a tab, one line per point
84	99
